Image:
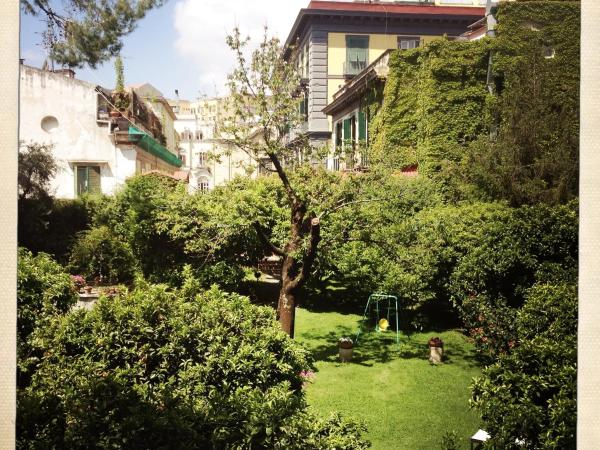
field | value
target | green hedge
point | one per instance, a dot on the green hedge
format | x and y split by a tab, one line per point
530	394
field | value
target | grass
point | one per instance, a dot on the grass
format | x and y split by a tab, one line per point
406	402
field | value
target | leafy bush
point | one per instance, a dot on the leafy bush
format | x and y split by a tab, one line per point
157	369
100	255
530	393
51	225
44	289
447	254
227	277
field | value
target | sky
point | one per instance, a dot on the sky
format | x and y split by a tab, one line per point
180	45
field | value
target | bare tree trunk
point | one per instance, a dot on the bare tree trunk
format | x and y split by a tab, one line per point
287	304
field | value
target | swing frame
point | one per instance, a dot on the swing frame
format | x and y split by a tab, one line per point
374	300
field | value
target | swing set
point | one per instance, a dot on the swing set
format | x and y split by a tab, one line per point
380	307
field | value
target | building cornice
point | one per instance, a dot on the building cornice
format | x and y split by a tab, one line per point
337	10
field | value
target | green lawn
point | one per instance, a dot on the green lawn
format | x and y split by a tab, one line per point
406	402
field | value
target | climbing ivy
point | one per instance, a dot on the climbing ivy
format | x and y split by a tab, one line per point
494	118
533	154
433	104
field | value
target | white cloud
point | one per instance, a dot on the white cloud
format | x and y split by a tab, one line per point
202	25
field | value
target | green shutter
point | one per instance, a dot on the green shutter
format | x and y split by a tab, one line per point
347	130
362	126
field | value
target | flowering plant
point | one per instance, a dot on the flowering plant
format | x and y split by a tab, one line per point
345	342
78	281
307	377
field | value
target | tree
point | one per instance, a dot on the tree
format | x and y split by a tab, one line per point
530	394
44	290
262	110
88	32
37	166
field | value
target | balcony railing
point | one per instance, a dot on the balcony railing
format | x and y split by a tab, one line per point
352	68
132	109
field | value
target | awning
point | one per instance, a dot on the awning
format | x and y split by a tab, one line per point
152	146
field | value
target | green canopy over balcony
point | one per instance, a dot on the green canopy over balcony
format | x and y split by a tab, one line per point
149	144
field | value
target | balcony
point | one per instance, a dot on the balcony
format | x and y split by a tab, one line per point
123	109
352	68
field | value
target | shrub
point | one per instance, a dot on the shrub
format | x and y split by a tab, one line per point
157	369
530	393
51	225
99	255
44	289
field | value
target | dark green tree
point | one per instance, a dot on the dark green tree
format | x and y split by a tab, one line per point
87	32
530	394
36	167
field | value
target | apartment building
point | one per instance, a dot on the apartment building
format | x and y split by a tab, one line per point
347	106
333	41
210	160
95	146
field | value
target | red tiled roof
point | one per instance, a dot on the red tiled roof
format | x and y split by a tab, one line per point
396	9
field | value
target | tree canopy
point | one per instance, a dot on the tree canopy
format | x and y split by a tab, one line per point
89	33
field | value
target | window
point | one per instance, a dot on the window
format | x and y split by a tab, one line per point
338	136
182	157
202	159
203	184
335	164
87	180
303	107
357	54
408	42
198	135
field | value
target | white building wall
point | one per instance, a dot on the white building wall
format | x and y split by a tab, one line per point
78	136
201	116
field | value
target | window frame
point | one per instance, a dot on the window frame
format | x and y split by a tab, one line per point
363	48
408	38
76	168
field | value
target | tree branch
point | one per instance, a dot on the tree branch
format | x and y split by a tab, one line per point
266	241
311	253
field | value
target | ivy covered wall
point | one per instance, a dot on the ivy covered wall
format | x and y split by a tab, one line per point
516	139
533	156
433	104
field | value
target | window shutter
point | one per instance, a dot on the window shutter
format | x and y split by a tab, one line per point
94	180
82	180
347	130
362	126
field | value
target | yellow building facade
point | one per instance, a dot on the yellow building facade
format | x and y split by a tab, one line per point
332	42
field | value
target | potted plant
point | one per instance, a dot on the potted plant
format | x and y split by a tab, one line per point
79	282
120	99
436	350
345	346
